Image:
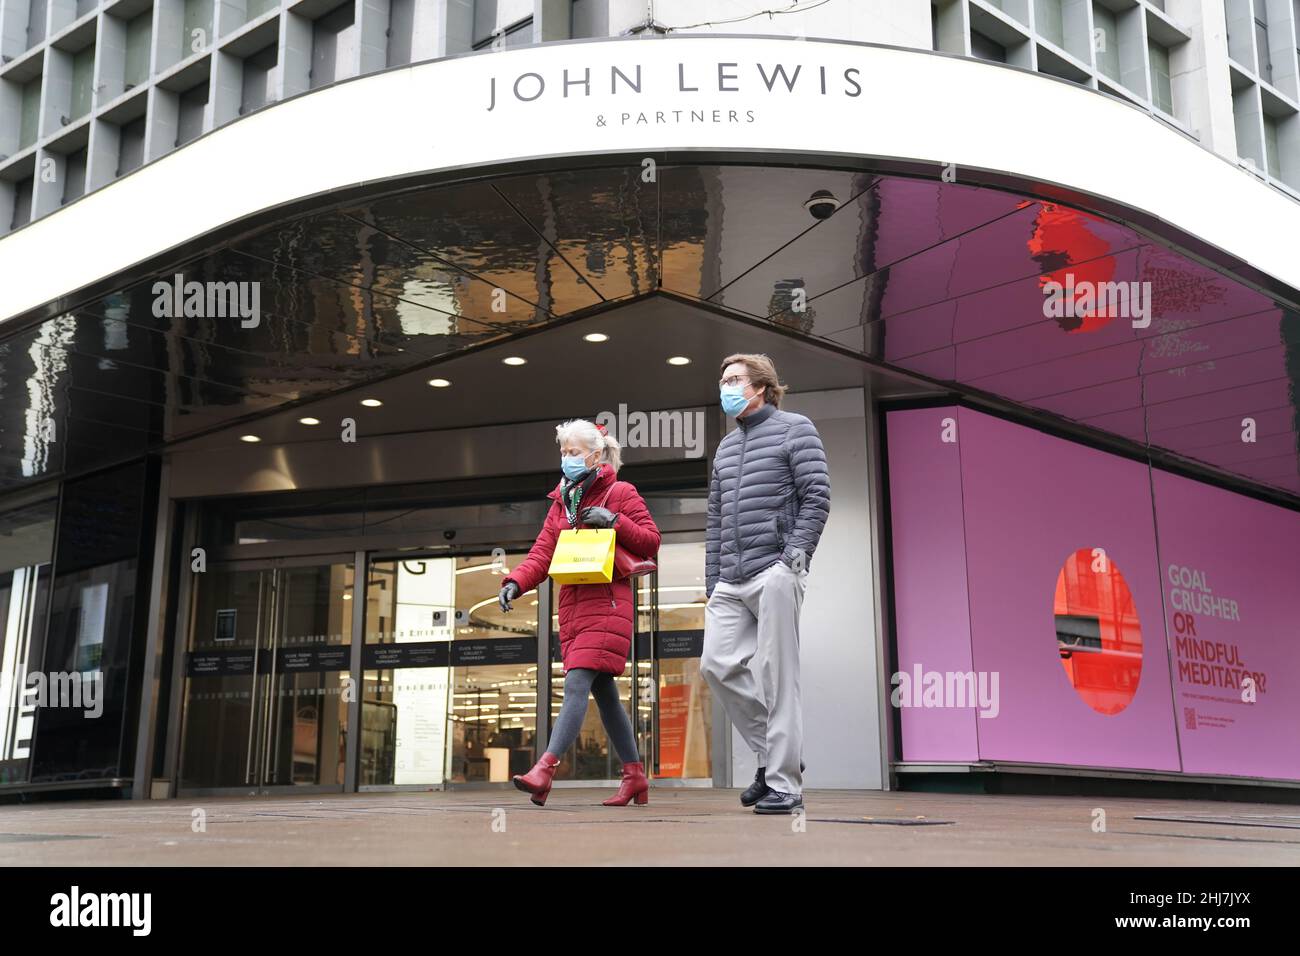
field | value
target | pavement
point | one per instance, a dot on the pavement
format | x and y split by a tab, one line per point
677	827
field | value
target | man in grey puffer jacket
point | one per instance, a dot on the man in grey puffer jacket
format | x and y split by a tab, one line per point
769	496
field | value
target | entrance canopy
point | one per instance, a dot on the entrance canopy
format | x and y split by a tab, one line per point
956	287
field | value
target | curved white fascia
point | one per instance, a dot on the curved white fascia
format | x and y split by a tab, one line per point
434	116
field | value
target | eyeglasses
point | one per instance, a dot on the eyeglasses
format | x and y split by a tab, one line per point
734	380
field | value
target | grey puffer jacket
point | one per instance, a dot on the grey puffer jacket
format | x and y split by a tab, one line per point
769	496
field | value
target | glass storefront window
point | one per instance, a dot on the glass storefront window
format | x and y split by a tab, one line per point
95	621
26	546
457	703
677	719
591	757
449	683
674	707
269	656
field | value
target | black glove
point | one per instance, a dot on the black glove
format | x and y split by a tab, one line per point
598	517
509	591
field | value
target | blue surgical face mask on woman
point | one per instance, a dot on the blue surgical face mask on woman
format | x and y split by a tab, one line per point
733	399
573	466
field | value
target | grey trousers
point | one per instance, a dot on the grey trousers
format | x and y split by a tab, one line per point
758	620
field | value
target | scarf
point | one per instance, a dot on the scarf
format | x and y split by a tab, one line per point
572	492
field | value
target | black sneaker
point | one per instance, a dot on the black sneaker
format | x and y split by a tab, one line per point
778	802
756	791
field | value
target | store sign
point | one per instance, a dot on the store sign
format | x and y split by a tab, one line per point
671	644
221	664
308	660
625	86
313	659
497	650
382	657
475	653
755	96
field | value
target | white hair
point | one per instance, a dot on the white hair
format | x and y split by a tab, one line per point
589	436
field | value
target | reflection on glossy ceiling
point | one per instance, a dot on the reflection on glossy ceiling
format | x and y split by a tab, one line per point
938	279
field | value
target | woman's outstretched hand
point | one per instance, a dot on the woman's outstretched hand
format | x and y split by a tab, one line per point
598	517
509	591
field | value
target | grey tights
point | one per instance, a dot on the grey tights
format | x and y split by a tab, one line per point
578	683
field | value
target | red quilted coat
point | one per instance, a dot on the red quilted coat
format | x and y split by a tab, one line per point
595	619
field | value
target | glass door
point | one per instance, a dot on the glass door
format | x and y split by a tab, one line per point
449	682
674	706
592	756
266	674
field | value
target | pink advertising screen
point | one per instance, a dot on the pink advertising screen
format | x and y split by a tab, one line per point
932	613
1040	618
1231	578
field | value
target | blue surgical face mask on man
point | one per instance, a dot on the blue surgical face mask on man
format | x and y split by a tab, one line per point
573	466
733	399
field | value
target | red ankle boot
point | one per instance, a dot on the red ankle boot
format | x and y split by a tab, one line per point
538	780
633	785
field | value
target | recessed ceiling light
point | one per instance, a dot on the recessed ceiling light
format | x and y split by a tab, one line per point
439	382
595	337
371	402
249	438
679	360
514	360
309	421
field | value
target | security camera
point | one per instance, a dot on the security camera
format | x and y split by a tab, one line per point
449	535
821	204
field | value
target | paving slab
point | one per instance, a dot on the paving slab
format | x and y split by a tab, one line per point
677	827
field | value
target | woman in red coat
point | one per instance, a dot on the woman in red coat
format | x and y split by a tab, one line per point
595	619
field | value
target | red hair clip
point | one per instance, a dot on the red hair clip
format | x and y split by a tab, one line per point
601	429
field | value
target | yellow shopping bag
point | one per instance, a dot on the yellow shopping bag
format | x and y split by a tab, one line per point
583	556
